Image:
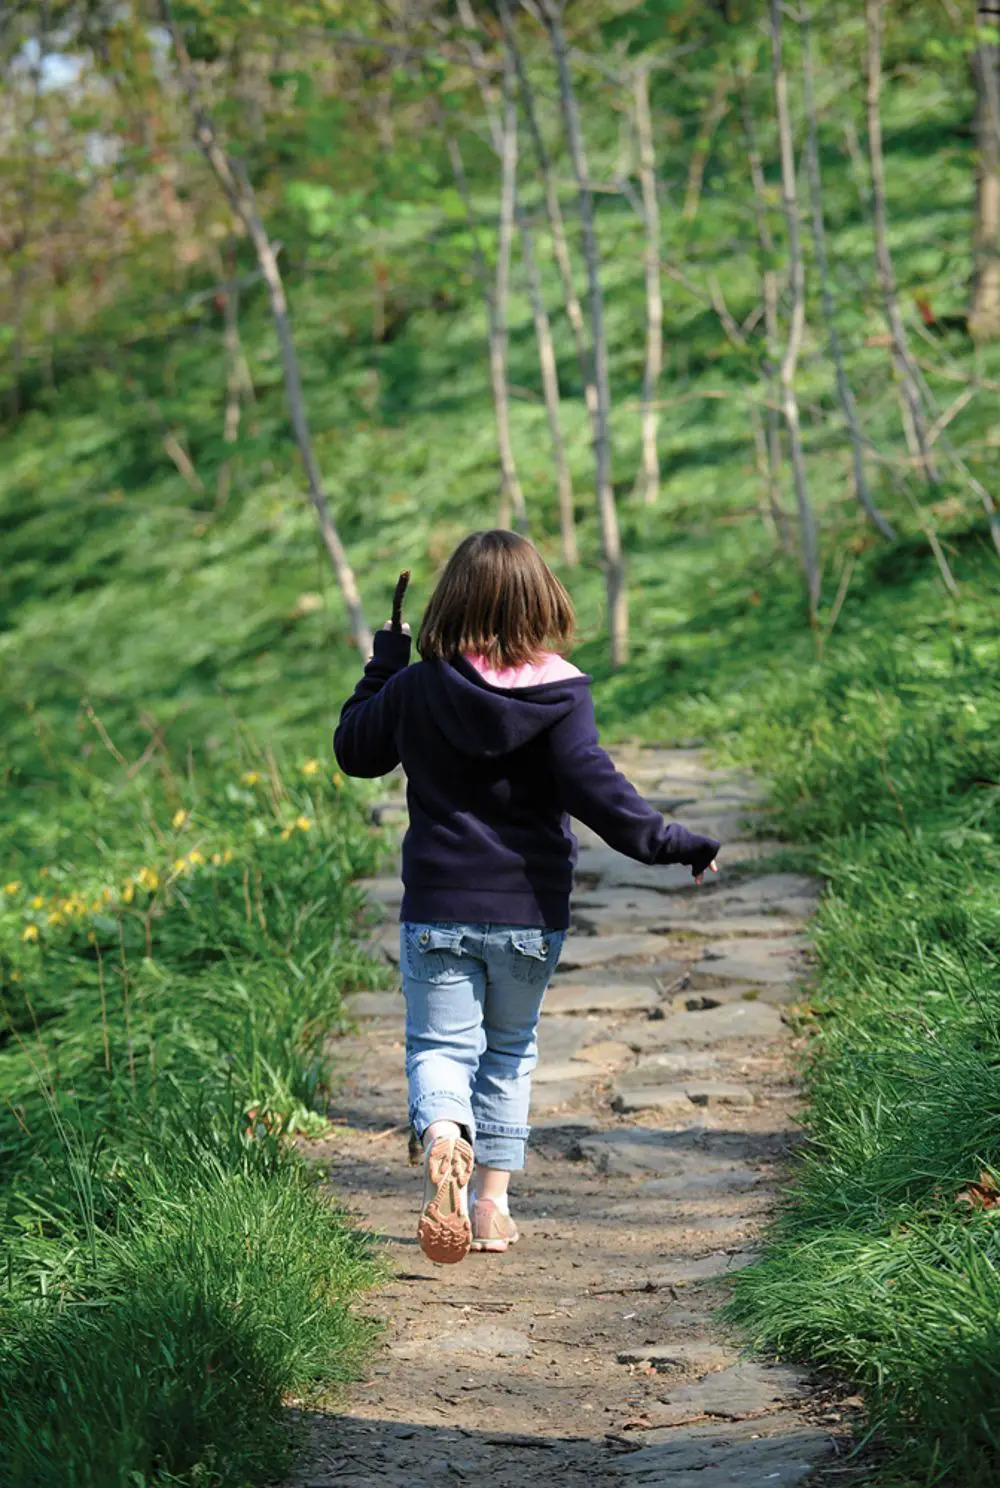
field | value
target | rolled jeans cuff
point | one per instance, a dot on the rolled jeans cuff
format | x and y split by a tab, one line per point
500	1146
441	1105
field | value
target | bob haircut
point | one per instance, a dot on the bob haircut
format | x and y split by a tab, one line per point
498	599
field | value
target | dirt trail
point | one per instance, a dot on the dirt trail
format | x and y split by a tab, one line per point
662	1115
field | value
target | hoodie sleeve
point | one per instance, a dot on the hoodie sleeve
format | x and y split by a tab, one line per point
592	790
365	739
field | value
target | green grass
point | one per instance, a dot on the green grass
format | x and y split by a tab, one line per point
171	975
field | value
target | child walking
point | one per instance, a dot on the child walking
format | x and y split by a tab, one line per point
496	734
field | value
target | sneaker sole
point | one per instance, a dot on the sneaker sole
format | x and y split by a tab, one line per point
444	1232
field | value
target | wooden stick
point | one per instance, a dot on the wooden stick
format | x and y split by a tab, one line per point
397	601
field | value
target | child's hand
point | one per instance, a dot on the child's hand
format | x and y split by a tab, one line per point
406	628
713	867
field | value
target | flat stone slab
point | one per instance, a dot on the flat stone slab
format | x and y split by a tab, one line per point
719	1093
560	1070
736	1020
560	1093
375	1005
748	960
744	1390
717	1456
486	1338
708	1183
679	1097
777	890
637	1151
673	1100
616	997
596	950
605	1054
703	1268
560	1038
678	1358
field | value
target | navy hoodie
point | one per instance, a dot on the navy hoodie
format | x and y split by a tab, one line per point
493	775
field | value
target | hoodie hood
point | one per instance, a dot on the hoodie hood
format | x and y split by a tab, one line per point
486	722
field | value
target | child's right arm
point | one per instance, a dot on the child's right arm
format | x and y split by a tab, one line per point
592	790
365	740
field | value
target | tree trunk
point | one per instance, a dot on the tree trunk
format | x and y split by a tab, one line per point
844	391
710	122
614	568
984	314
914	417
540	316
649	478
550	387
560	246
511	495
796	324
232	177
238	382
772	334
498	385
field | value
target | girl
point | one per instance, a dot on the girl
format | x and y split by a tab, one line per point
496	735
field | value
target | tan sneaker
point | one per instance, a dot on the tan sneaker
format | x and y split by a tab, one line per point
492	1229
444	1232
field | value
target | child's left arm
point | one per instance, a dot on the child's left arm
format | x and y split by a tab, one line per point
365	739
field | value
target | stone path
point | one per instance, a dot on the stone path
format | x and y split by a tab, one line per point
662	1116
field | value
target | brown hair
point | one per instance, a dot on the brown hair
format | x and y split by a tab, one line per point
498	599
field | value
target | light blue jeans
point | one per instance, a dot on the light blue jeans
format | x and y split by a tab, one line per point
473	994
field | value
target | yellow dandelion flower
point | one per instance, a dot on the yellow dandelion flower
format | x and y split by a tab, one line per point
178	819
227	856
12	887
286	833
30	932
38	901
251	777
180	865
107	895
195	858
337	780
149	879
55	918
311	767
96	904
216	859
303	823
15	975
128	893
